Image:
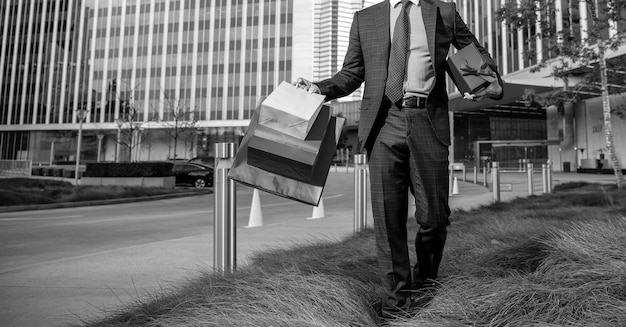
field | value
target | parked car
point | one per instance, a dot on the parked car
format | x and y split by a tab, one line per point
206	160
195	174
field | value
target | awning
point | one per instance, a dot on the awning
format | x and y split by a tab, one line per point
513	91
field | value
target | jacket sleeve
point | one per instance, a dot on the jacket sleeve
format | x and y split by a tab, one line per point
352	73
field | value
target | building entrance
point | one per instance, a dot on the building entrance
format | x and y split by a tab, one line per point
511	154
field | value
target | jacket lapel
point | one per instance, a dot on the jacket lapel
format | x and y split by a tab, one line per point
382	27
430	14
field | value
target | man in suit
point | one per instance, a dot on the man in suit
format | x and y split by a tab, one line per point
399	49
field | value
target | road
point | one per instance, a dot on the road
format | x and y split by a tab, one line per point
65	264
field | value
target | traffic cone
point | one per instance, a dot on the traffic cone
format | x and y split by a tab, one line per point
455	187
256	216
318	212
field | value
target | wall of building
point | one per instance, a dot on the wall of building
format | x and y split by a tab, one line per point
590	137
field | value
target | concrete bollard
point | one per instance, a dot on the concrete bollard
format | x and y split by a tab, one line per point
360	192
531	182
225	229
495	180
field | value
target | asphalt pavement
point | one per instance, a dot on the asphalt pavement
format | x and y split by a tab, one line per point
86	281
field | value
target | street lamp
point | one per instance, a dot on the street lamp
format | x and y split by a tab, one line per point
119	122
80	115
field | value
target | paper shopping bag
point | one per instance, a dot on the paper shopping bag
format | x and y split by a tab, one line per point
305	192
468	70
290	110
286	155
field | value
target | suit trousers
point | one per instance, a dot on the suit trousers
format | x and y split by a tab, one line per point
408	156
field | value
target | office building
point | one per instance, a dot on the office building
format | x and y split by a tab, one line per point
163	79
157	79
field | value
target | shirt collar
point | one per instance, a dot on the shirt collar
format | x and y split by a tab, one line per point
396	2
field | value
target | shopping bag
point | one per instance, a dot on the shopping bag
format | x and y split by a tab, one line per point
286	155
290	110
468	71
305	192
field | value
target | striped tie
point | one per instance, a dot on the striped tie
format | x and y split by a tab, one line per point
397	56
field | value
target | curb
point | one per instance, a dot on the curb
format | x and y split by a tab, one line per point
48	206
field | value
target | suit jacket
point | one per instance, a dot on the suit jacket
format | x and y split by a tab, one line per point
367	59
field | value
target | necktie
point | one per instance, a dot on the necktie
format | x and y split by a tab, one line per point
397	55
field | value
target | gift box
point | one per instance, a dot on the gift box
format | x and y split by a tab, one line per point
290	110
286	155
305	192
468	70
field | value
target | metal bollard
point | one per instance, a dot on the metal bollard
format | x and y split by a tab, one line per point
360	192
360	187
464	174
485	176
224	235
495	180
549	177
450	179
475	174
531	183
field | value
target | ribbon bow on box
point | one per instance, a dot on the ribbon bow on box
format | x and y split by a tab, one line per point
484	71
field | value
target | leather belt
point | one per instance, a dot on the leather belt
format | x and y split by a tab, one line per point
414	102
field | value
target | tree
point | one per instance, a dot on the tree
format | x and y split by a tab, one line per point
180	124
129	136
573	58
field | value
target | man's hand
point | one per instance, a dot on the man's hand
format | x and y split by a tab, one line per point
493	91
302	83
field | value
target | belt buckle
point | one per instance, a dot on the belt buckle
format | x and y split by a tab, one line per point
414	102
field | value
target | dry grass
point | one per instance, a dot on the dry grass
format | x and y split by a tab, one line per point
552	260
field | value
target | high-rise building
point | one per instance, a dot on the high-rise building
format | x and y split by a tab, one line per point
333	19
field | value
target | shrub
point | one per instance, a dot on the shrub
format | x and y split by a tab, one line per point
132	169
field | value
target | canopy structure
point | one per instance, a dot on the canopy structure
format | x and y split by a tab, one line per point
511	102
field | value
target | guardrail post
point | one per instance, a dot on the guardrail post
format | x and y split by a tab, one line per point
531	182
360	192
495	180
224	236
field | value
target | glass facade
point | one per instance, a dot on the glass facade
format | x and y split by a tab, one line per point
138	61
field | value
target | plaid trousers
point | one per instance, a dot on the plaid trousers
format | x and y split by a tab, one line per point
407	155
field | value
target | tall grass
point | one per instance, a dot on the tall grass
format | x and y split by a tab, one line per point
25	191
550	260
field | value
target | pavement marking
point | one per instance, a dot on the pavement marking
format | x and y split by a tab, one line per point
39	218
